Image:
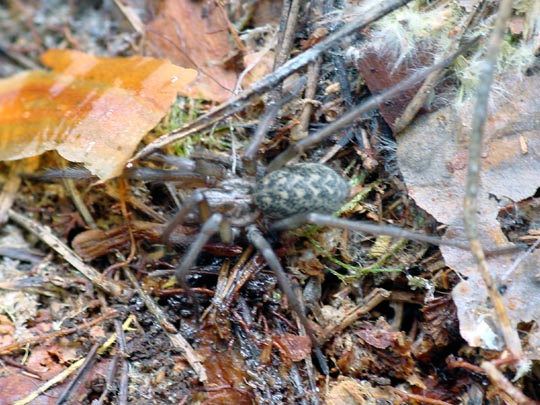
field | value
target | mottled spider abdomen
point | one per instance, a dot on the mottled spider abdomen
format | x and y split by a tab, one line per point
300	188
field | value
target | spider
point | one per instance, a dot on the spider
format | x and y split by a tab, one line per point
285	198
236	205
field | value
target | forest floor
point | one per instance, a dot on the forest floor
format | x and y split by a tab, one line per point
90	310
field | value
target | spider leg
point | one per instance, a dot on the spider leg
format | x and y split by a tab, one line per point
196	199
271	111
371	228
298	148
360	226
209	229
261	244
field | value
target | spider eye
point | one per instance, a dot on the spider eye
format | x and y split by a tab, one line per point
300	188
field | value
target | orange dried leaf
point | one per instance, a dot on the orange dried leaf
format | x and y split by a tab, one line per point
90	109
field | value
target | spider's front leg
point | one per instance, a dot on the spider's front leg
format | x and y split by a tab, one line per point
209	229
213	224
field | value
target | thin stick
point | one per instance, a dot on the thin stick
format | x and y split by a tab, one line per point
289	18
79	375
44	233
472	187
299	147
427	87
268	82
419	398
172	333
500	381
371	301
52	382
6	349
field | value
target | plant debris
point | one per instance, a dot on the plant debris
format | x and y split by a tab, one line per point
92	310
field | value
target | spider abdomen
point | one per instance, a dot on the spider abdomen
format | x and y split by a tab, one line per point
300	188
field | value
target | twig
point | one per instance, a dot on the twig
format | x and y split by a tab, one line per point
313	70
44	233
431	81
83	362
124	376
372	300
111	372
123	198
36	339
472	187
76	197
268	82
500	381
52	382
298	148
418	398
120	354
300	131
131	16
88	362
289	17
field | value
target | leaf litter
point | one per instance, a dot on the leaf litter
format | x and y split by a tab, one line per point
432	158
385	336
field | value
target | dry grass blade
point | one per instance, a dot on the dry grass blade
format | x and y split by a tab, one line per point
46	235
473	175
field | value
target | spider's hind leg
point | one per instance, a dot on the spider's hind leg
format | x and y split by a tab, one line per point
261	244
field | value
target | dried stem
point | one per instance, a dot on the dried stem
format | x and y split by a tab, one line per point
510	335
347	119
499	380
268	82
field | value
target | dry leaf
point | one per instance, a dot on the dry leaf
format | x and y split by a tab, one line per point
258	64
351	391
90	109
380	68
196	35
433	159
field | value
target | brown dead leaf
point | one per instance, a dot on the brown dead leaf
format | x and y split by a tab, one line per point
296	347
350	391
195	35
381	69
259	64
375	350
432	155
225	368
90	109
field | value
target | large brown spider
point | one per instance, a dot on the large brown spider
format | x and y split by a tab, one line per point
236	204
285	198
